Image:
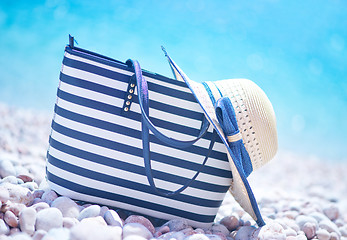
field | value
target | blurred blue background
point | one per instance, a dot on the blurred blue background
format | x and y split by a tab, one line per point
295	50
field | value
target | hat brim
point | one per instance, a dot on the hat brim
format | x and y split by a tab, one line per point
240	188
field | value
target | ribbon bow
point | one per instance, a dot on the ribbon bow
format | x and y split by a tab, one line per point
227	119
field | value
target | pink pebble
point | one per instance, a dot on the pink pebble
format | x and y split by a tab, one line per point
87	205
49	196
334	236
142	220
309	229
25	177
37	200
188	231
162	230
38	193
11	219
15	230
103	210
219	228
230	222
199	230
177	224
332	212
16	208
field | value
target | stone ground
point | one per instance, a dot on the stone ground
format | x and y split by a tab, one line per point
299	197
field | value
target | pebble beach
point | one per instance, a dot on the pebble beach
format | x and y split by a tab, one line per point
300	197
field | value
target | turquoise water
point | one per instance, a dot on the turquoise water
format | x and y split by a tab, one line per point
294	50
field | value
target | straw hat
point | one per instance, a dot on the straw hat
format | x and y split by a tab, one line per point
239	105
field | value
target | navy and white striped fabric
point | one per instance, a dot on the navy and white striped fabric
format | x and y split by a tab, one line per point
95	152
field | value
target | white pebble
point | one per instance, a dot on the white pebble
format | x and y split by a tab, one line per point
197	237
19	194
103	210
95	220
39	234
30	185
20	236
215	237
4	228
27	218
290	232
91	211
112	218
343	230
132	237
57	234
272	230
88	231
136	229
20	170
172	235
329	226
291	214
244	233
302	219
323	234
40	206
10	179
334	236
68	207
301	237
38	172
318	216
7	168
69	222
49	218
4	194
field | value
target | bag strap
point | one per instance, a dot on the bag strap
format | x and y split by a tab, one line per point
149	171
142	89
142	92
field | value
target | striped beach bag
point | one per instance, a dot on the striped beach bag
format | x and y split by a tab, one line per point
134	140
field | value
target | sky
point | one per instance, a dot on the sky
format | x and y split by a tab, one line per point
296	51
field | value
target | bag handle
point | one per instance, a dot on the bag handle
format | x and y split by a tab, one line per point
142	91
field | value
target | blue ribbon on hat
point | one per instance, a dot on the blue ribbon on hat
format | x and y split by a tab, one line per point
227	119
